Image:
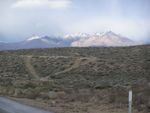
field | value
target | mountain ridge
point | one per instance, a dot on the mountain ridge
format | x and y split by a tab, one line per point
104	39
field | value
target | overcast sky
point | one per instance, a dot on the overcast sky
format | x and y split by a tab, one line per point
20	19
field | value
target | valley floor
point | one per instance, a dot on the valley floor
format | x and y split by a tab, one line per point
78	80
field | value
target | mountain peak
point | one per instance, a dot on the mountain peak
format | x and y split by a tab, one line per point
109	33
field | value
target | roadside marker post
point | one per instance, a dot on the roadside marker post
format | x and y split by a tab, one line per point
130	101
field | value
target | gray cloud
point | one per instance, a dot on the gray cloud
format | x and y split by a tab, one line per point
20	19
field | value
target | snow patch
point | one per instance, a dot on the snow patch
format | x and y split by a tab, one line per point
33	38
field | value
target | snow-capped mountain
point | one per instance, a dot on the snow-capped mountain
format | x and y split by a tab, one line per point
44	42
104	39
36	42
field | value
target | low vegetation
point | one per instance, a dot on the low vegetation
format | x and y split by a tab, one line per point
78	75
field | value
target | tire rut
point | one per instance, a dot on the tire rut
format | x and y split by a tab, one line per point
30	68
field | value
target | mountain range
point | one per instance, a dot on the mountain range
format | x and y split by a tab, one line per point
105	39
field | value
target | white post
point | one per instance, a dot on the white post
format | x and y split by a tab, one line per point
130	101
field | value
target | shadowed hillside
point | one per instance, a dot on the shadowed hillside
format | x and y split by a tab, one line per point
86	75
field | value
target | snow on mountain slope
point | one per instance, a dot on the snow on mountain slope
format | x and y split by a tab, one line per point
33	38
76	36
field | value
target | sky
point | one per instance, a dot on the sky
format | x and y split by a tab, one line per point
20	19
